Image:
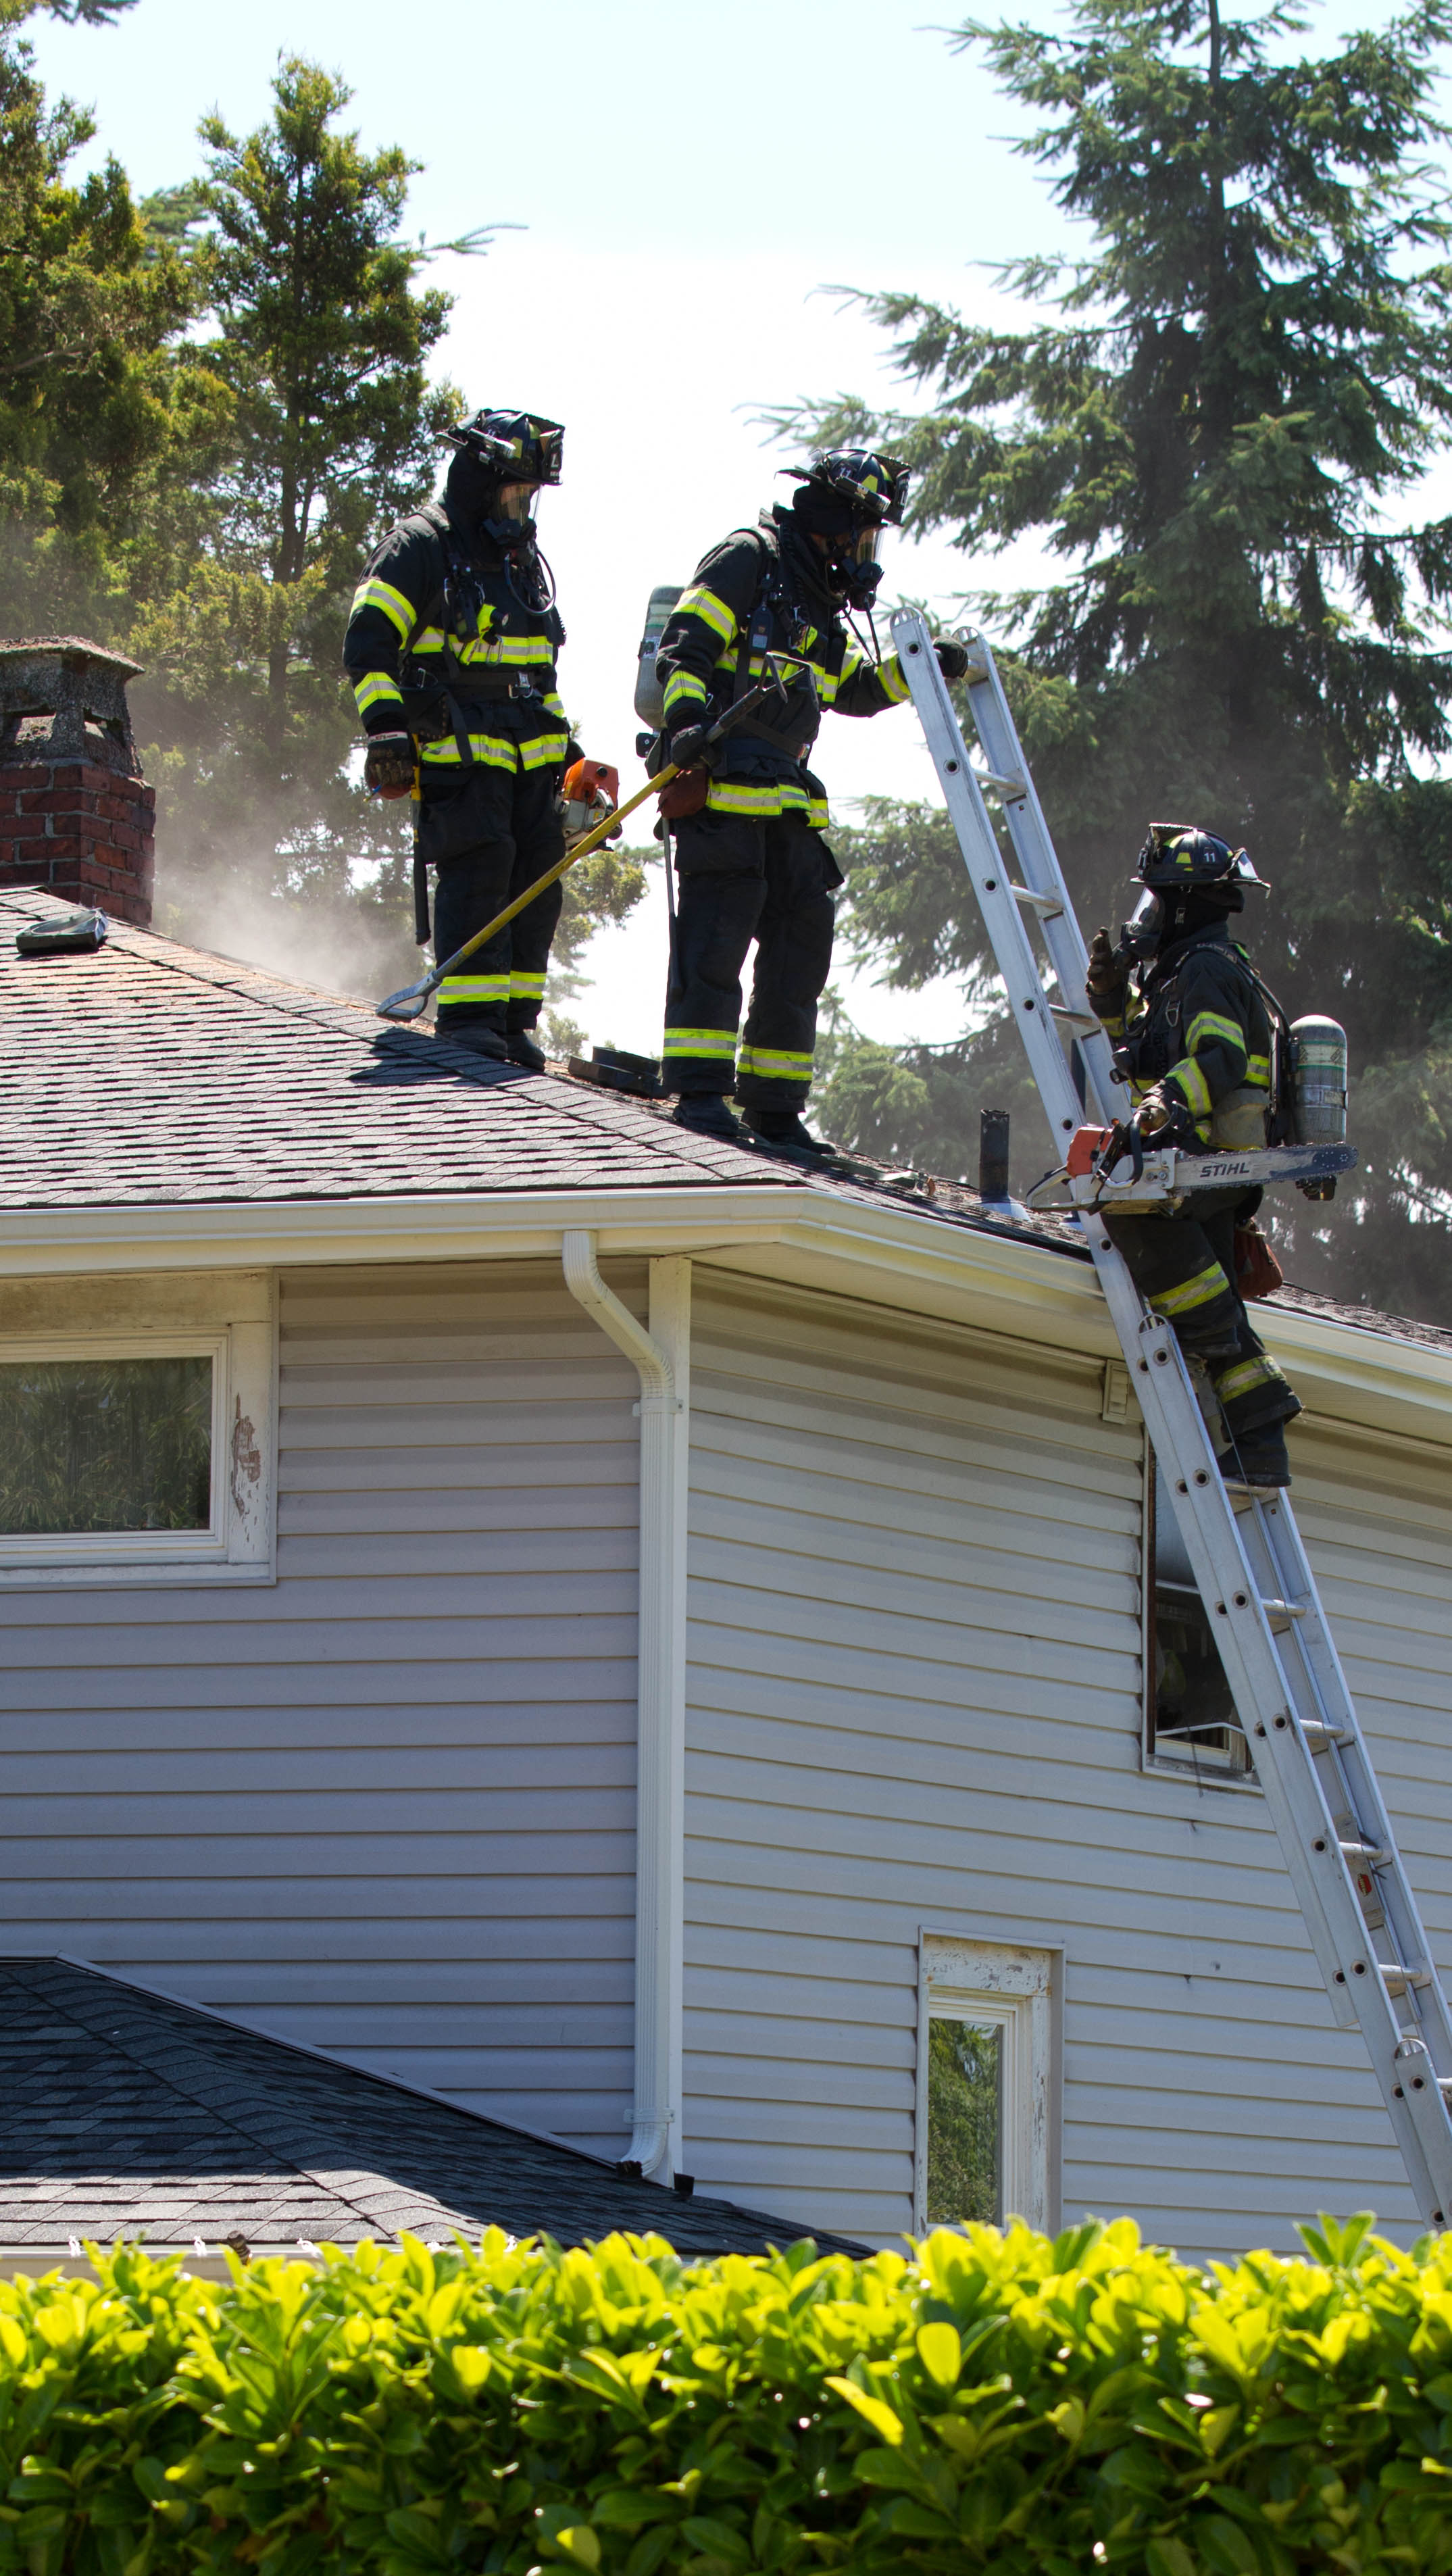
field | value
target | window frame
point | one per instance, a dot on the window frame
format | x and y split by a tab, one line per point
1154	1756
230	1319
1016	1988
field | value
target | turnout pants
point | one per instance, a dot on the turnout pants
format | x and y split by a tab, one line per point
490	839
742	877
1185	1267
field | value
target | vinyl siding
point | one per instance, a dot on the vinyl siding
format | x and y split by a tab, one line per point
915	1700
386	1807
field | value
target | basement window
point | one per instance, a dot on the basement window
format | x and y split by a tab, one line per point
985	2083
1190	1719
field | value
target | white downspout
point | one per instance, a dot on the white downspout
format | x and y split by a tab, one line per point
662	1360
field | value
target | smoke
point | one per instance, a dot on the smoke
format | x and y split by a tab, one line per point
347	941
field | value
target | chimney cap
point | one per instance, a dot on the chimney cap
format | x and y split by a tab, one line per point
73	652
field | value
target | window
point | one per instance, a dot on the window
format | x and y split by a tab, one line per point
1190	1719
136	1433
986	2101
118	1444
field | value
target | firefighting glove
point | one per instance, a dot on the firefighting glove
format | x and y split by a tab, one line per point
1105	982
952	656
389	765
1163	1115
687	746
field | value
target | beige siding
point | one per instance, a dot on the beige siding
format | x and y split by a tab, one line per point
388	1806
915	1700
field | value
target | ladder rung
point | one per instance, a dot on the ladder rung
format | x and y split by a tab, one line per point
1049	907
1073	1019
1365	1855
1397	1979
1010	789
1319	1735
1282	1614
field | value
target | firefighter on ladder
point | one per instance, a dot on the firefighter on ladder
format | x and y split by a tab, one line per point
751	859
451	649
1191	1029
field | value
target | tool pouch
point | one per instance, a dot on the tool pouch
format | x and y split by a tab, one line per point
685	795
1257	1271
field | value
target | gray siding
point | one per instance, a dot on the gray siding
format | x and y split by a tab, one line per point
388	1806
915	1699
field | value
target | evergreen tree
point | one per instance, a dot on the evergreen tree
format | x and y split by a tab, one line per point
94	411
1241	380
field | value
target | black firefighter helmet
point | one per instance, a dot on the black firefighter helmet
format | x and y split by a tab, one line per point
847	496
516	446
1180	856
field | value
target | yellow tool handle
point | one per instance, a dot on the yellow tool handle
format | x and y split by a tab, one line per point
581	850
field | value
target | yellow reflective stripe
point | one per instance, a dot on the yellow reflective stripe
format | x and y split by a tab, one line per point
1188	1078
894	683
777	1061
1257	1072
545	748
554	705
713	612
374	593
743	796
682	685
712	1042
525	988
430	639
375	689
511	651
1206	1285
494	752
1210	1026
474	988
1244	1377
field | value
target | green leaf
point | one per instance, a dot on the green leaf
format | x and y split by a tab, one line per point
940	2351
872	2410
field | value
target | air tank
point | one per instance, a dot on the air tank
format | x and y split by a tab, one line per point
649	703
1318	1050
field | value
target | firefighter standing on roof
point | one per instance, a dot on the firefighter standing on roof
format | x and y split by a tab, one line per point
1192	1028
451	649
752	862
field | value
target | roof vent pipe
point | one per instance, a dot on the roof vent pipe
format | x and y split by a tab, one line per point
993	1153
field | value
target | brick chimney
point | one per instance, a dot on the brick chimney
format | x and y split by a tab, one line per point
76	815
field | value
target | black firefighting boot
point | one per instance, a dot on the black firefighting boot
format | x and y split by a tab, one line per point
1258	1458
474	1036
781	1132
705	1113
521	1049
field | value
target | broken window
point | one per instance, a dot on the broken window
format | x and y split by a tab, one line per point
965	2122
1190	1716
987	2051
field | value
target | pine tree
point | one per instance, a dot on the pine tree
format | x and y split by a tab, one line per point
1242	380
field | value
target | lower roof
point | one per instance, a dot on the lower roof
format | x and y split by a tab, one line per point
129	2114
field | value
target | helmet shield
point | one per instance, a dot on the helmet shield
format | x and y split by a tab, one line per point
514	503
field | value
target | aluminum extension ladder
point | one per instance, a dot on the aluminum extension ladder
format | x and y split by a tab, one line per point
1283	1670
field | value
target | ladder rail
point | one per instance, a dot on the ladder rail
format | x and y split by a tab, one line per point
1292	1698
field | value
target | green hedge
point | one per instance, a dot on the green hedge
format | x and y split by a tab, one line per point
996	2402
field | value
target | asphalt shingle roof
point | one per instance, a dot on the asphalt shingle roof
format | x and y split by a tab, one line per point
126	2114
155	1074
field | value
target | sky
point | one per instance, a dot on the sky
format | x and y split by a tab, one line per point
687	181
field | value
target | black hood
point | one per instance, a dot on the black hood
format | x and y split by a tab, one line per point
805	568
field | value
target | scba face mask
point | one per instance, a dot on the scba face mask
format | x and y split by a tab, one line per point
853	568
1141	934
511	516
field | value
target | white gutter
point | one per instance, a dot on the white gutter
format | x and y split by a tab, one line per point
663	1367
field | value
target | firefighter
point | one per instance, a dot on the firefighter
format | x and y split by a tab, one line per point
451	649
752	862
1192	1029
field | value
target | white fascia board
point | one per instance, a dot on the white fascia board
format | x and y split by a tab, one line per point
796	1234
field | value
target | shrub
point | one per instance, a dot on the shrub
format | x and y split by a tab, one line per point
991	2401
